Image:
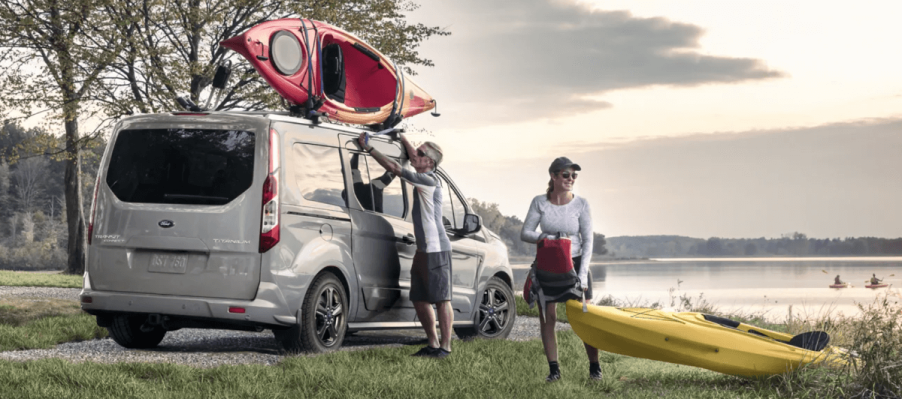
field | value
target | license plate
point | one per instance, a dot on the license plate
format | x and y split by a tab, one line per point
177	264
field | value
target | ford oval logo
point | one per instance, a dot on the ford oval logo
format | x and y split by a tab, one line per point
166	224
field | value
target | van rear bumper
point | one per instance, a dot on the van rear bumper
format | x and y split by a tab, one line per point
267	309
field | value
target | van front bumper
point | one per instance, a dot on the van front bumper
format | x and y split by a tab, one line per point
268	308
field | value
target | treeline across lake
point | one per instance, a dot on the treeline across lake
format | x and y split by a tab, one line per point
794	244
508	229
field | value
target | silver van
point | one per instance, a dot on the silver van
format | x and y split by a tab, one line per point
254	221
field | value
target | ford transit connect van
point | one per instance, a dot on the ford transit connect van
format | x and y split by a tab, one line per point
253	221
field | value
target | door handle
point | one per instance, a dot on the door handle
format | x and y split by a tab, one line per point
407	239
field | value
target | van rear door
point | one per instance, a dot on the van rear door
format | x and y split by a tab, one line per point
178	208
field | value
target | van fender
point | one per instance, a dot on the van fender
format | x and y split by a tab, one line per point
316	257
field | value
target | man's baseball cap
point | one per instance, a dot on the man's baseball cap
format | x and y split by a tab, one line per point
562	163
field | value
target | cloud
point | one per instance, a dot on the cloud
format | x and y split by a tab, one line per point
516	59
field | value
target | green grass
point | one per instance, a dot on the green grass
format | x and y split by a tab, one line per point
476	369
26	279
44	323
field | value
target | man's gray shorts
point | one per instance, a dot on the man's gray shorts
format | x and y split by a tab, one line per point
430	277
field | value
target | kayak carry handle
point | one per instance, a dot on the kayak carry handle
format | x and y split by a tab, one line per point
366	51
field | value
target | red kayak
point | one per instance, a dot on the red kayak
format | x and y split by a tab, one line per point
876	285
354	83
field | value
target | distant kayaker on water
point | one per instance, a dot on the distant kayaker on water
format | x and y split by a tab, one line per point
875	280
837	281
560	211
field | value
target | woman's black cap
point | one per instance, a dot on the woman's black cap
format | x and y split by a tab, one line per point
562	163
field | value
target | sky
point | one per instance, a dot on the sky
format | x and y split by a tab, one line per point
701	118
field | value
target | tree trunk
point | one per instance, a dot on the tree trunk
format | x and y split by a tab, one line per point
74	215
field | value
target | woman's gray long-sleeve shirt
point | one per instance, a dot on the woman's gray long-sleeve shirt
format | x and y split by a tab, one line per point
574	219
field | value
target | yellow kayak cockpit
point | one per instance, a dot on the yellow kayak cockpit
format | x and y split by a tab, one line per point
700	340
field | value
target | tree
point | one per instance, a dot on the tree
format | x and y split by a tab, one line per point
751	249
5	209
598	246
53	53
714	246
491	216
173	47
29	177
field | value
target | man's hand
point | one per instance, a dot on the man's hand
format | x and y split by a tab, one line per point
361	140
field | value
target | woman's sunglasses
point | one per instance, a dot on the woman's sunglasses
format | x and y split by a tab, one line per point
567	175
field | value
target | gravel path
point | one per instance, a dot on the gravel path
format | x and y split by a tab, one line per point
211	348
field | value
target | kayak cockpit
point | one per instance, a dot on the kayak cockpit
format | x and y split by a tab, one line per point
812	340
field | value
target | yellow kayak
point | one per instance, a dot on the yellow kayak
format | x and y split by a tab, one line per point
699	340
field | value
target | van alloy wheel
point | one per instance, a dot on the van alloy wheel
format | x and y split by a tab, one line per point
330	316
495	314
322	319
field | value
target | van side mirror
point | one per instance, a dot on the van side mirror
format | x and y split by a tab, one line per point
472	224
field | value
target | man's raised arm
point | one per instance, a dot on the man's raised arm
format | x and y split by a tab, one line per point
389	164
411	151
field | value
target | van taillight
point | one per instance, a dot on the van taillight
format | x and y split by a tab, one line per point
93	208
269	226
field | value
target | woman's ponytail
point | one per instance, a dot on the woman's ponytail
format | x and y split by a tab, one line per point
550	189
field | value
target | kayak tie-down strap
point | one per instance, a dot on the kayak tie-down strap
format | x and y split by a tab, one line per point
812	340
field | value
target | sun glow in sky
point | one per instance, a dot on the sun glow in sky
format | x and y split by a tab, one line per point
791	69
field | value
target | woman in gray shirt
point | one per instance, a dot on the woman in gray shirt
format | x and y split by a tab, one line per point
561	211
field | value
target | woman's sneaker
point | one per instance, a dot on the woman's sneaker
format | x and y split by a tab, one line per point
595	371
553	376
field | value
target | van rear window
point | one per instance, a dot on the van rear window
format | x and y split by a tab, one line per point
181	166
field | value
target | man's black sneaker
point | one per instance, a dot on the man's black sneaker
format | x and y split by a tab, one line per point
426	351
440	353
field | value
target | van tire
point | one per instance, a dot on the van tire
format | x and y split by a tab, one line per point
497	301
323	319
126	331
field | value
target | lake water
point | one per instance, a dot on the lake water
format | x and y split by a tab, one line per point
766	285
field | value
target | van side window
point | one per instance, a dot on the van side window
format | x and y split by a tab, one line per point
453	209
316	173
376	188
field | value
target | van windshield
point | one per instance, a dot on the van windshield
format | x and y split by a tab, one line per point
181	166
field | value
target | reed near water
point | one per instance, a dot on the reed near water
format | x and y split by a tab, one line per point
872	339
